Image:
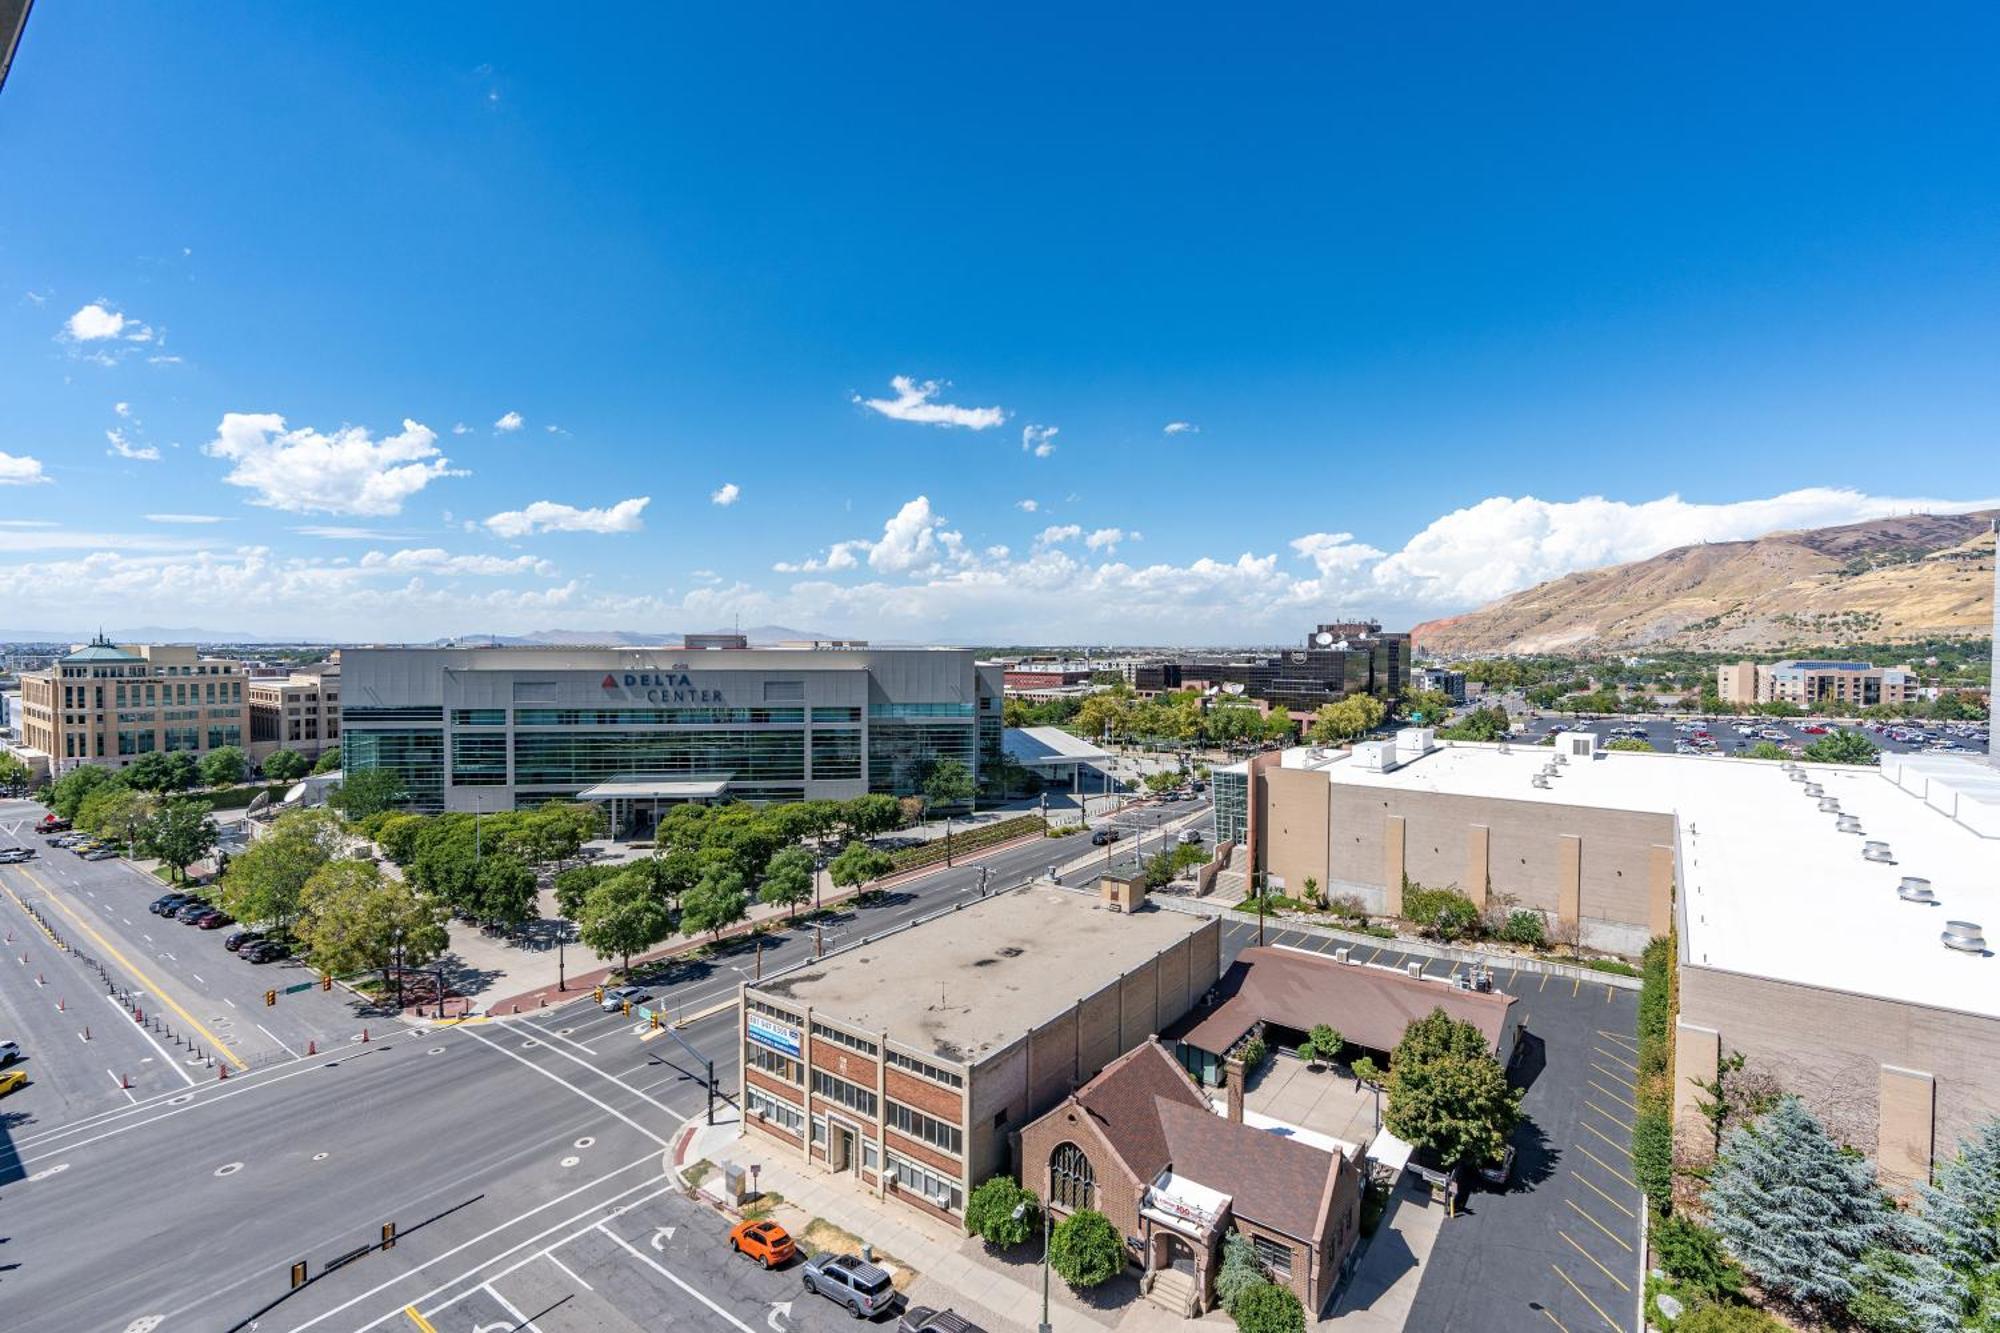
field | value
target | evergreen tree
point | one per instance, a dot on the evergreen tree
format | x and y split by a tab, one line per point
1950	1276
1794	1209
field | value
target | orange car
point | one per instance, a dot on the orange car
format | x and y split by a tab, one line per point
766	1242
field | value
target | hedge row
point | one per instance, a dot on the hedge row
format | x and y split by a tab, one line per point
969	841
1653	1128
235	798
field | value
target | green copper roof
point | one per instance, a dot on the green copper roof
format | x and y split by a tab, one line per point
101	649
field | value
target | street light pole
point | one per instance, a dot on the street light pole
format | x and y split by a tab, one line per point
1020	1210
562	938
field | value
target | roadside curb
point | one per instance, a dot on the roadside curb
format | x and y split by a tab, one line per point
686	1020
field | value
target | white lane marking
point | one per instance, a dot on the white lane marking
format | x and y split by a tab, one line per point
397	1313
557	1036
121	1086
126	919
600	1104
520	1320
149	938
196	976
274	1037
574	1276
670	1276
154	1043
231	1003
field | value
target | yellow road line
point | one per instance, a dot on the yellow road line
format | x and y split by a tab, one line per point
1620	1038
1377	954
1607	995
1599	1225
1587	1301
423	1324
1552	1319
1607	1166
1585	1180
1599	1050
1622	1286
144	980
1619	1079
1621	1147
1609	1093
1622	1124
1577	989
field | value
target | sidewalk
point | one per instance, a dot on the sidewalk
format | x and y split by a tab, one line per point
1377	1298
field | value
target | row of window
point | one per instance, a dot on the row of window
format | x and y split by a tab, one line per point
940	1190
925	1069
782	1114
771	1062
914	1123
847	1039
155	692
632	717
771	1011
851	1095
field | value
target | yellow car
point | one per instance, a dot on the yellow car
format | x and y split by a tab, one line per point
12	1079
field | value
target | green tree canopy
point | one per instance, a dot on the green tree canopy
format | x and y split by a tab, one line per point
1842	747
621	916
329	760
947	785
224	767
13	772
715	902
1269	1308
1447	1092
368	792
67	792
181	833
285	766
266	880
116	811
1085	1249
989	1212
504	889
788	879
352	918
857	864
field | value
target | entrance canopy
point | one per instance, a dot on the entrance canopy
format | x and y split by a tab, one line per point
654	787
1389	1152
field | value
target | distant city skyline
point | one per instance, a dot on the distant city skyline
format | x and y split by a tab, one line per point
1185	334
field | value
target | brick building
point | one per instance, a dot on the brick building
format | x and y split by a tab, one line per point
912	1060
108	704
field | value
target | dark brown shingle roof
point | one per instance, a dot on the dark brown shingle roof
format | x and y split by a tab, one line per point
1269	1178
1121	1099
1371	1006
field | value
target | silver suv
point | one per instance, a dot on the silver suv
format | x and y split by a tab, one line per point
845	1280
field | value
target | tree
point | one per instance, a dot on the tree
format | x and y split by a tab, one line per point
181	834
1842	747
329	761
622	916
285	766
67	793
573	884
1085	1249
504	889
947	784
369	792
1269	1308
1447	1092
163	772
1322	1044
266	880
788	879
1946	1276
989	1212
857	864
397	837
1767	750
715	902
353	918
114	811
1634	744
1793	1209
1240	1271
1430	707
13	772
224	767
1481	724
867	816
1344	719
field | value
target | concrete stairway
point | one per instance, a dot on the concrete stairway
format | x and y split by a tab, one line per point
1174	1291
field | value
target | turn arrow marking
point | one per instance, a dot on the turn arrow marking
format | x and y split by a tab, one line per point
661	1235
778	1308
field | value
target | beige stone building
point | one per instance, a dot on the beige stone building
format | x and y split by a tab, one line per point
1815	684
297	712
910	1062
111	703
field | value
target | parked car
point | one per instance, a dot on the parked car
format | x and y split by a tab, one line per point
618	997
1190	836
923	1319
766	1242
191	911
240	938
846	1280
101	854
10	1051
168	902
51	824
213	919
12	1079
1106	836
263	951
15	855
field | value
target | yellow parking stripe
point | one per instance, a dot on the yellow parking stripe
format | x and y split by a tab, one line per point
144	981
423	1324
1577	989
1619	1079
1612	1095
1623	1060
1622	1124
1377	954
1599	1225
1585	1181
1552	1319
1624	1148
1607	1166
1587	1301
1600	1267
1545	981
1620	1038
1607	995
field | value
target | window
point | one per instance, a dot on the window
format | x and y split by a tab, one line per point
836	714
771	1011
479	717
1274	1256
870	1159
925	1069
931	1130
819	1130
836	755
867	1048
783	1114
940	1190
1072	1184
851	1095
771	1062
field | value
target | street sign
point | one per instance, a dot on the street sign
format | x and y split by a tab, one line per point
294	990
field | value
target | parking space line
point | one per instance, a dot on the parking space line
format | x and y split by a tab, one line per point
1622	1285
1587	1301
1377	954
670	1276
1599	1225
1621	1039
416	1317
1585	1181
1609	1093
1622	1124
1619	1079
1577	989
1543	1308
1545	984
520	1320
1607	994
574	1276
1599	1050
1621	1147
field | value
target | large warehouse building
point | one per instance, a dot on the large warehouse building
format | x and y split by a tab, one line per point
496	728
1805	897
910	1061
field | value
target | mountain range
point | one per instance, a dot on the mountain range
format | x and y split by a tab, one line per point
1912	577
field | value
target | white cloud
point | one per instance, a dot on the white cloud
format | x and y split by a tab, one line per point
1059	533
548	516
21	470
460	428
433	560
29	523
97	322
122	409
1335	553
915	402
727	495
123	448
509	421
1108	539
1040	440
1181	428
914	541
1027	506
555	430
57	538
346	472
344	533
182	518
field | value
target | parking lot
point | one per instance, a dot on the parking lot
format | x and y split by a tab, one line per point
1731	735
1560	1247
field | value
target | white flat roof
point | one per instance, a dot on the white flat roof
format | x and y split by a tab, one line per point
663	789
1049	745
1768	886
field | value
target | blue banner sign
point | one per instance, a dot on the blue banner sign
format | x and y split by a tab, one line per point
780	1037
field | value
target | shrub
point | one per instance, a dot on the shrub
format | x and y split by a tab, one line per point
964	841
1322	1044
1612	965
1713	1318
1444	914
1085	1249
1653	1154
989	1212
1348	907
1254	1053
1692	1254
1652	1127
1240	1271
1269	1308
1525	927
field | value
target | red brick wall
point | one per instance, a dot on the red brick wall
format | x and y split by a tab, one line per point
782	1091
918	1151
789	1140
939	1103
923	1205
837	1059
1118	1194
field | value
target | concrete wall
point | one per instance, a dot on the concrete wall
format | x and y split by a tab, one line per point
1295	827
1901	1082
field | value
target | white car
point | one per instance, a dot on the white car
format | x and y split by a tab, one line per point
10	1051
617	997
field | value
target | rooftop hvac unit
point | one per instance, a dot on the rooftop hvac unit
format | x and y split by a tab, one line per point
1796	774
1916	889
1560	758
1848	823
1539	780
1813	789
1829	805
1877	851
1964	936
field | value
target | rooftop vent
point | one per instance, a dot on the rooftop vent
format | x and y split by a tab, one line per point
1829	805
1796	774
1916	889
1877	851
1561	758
1848	823
1964	936
1814	789
1539	780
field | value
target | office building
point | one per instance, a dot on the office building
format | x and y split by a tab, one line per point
299	711
1336	660
106	703
910	1061
641	728
1451	684
1815	685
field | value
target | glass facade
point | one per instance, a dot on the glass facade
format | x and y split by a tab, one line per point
1232	803
417	757
897	751
836	755
655	717
567	759
479	761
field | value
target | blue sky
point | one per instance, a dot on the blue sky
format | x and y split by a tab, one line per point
1446	303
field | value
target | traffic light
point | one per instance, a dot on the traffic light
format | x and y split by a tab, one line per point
597	993
326	981
656	1020
270	997
626	1009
